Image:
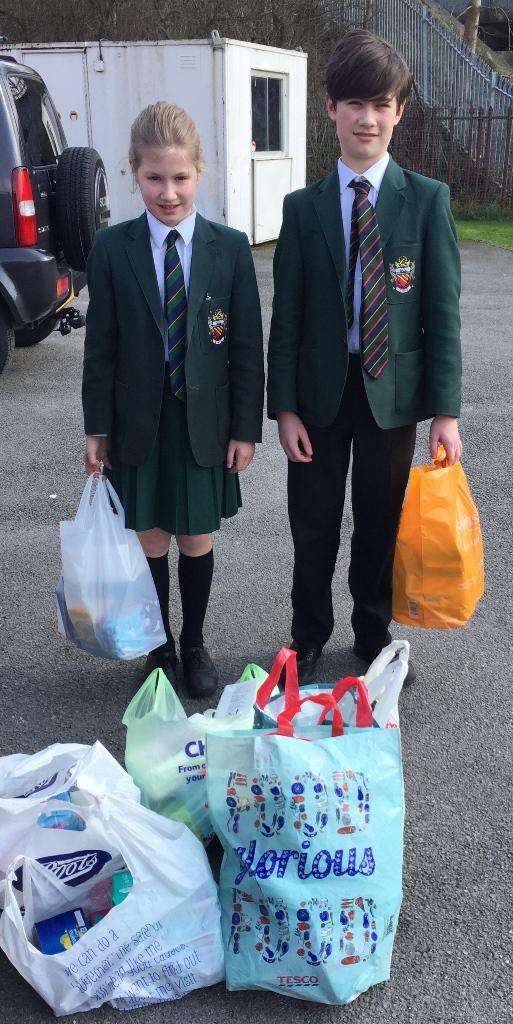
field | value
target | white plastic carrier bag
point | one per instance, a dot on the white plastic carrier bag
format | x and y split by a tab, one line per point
160	943
107	604
41	801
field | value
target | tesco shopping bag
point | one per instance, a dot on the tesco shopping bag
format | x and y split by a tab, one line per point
438	565
383	680
165	750
312	830
162	941
107	604
41	801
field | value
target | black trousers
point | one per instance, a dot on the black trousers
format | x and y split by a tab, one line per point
316	491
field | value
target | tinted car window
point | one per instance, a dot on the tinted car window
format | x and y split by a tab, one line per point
39	126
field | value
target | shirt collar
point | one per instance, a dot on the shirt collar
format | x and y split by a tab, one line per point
160	231
373	174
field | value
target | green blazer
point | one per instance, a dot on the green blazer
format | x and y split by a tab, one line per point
308	354
123	374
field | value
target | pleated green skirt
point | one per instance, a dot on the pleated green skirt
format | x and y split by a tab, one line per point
170	490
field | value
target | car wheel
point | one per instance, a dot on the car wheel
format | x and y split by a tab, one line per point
81	202
6	338
32	334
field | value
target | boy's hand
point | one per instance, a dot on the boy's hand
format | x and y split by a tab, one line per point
239	455
294	437
96	451
444	430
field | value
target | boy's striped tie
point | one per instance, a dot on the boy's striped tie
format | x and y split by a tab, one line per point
374	318
176	315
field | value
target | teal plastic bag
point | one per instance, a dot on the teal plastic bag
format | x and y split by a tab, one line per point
165	750
311	880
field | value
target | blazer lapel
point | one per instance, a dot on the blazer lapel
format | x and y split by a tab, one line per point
138	249
202	265
329	212
390	200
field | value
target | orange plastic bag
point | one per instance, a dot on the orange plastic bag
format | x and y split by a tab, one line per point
438	565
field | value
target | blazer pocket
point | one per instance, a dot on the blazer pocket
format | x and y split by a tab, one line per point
223	412
409	380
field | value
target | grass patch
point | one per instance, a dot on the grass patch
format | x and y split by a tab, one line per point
495	232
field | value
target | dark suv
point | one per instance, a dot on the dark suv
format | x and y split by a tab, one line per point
52	201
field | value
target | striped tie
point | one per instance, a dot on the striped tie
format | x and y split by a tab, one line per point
374	320
176	315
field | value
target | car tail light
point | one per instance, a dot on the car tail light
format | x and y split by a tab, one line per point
25	223
63	285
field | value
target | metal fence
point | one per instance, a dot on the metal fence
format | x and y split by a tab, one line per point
464	102
476	170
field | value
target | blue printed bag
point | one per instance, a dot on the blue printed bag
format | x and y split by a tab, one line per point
311	880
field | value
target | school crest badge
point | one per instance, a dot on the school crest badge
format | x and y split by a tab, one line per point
402	275
218	324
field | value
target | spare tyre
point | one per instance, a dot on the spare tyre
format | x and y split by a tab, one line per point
81	202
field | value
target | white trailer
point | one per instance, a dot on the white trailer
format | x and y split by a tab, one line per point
249	102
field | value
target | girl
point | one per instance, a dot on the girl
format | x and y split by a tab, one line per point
173	374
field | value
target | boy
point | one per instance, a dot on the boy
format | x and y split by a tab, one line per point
365	342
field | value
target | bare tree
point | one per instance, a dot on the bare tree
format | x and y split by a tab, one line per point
472	23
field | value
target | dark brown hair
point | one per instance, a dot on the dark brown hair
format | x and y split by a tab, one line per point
364	66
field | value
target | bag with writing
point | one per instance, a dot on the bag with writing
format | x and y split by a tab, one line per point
438	566
312	830
162	941
165	750
41	798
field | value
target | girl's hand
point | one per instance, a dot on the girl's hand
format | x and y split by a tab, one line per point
444	430
239	455
96	451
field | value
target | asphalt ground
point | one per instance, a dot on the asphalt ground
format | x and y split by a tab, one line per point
453	950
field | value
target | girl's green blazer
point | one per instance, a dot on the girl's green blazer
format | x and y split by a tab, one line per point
123	375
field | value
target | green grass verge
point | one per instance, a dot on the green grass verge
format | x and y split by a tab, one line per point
495	232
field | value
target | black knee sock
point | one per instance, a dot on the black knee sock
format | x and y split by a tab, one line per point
195	580
159	568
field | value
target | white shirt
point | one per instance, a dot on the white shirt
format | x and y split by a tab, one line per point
347	197
158	239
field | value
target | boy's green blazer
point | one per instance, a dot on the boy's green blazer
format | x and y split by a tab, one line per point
308	353
124	349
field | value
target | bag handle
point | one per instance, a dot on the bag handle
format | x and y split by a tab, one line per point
363	708
285	658
328	703
114	498
440	459
93	491
86	500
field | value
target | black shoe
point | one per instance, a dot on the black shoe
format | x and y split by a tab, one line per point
199	672
368	654
307	663
165	659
